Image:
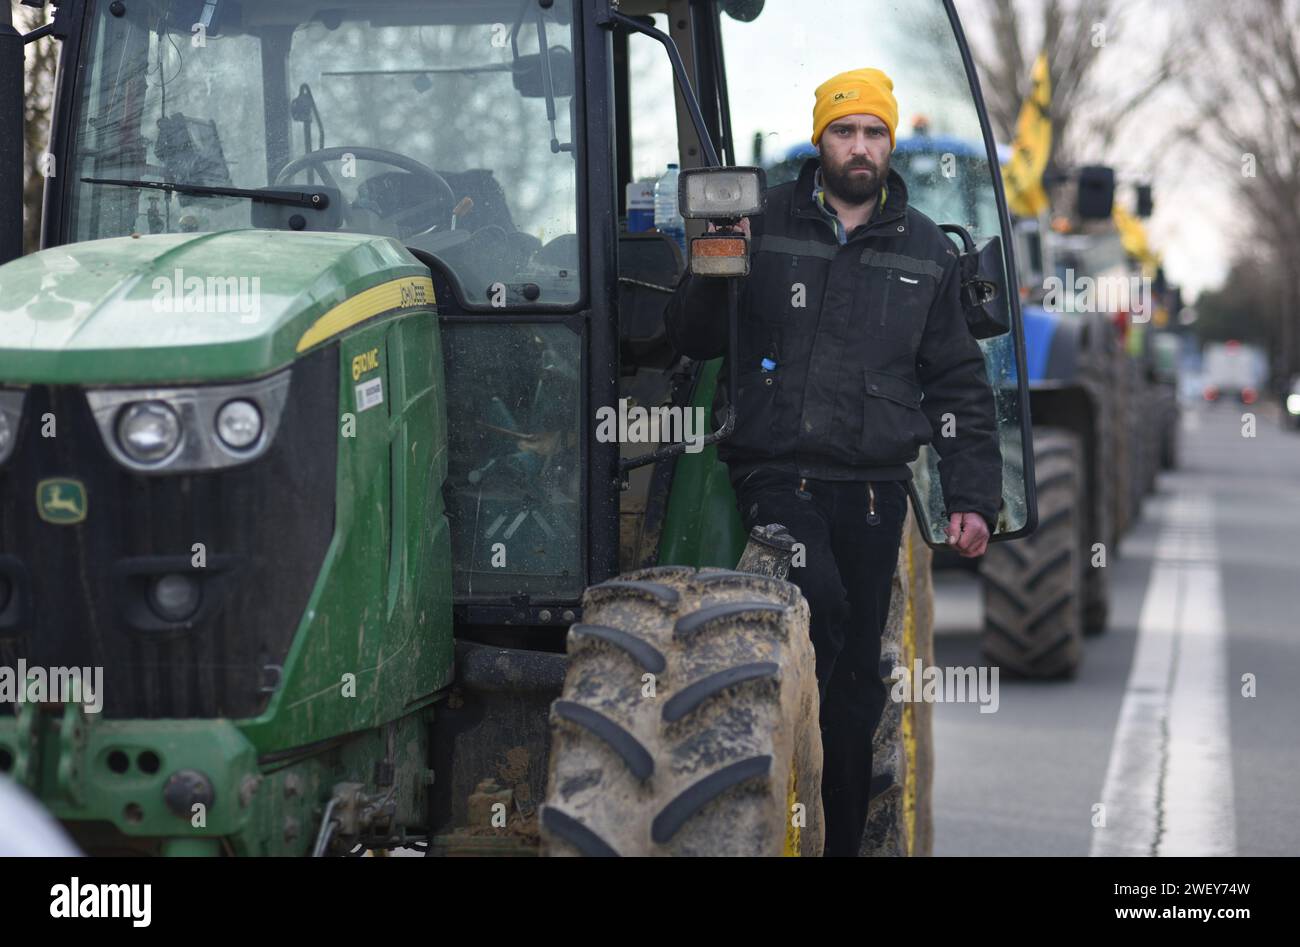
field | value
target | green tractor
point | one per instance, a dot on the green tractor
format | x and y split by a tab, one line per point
301	440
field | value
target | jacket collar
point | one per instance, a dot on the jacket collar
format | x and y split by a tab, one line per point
894	213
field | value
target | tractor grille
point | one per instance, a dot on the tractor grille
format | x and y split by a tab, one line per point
79	592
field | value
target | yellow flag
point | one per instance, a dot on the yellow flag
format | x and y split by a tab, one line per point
1022	176
1133	236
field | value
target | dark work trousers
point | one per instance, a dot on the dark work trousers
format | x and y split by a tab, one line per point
849	564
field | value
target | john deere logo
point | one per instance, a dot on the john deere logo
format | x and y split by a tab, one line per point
61	501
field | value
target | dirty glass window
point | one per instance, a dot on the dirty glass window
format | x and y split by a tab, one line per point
651	105
483	137
514	484
939	152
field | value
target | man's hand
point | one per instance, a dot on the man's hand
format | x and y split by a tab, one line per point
968	533
743	227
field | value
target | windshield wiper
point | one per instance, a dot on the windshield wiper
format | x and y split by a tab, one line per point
315	200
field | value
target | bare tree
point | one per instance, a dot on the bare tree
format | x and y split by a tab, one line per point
42	58
1248	108
1087	115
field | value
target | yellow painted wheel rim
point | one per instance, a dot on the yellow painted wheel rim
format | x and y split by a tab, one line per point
792	840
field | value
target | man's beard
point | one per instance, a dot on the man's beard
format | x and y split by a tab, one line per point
854	188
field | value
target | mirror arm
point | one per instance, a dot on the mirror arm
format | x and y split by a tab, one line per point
58	27
609	18
37	33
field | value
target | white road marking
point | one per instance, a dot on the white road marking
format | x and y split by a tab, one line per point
1168	788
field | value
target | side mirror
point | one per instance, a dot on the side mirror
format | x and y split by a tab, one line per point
983	287
1096	192
1144	203
746	11
724	196
530	82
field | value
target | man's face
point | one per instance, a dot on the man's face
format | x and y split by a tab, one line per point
855	157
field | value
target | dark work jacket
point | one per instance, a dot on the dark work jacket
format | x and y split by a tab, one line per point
866	368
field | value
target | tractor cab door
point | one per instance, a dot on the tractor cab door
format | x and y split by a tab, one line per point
777	53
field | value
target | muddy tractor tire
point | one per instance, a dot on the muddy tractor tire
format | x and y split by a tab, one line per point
1034	587
688	724
1096	595
1169	435
900	818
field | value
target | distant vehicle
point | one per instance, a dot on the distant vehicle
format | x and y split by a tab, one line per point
1291	404
1233	370
1094	452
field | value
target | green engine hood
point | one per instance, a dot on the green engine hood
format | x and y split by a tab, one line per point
183	307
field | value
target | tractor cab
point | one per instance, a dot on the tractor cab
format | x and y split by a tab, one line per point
450	128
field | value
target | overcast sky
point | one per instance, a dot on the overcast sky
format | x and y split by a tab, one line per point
1192	225
792	51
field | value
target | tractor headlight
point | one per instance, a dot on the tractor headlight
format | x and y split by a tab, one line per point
148	431
174	597
11	413
1292	407
239	424
721	193
175	430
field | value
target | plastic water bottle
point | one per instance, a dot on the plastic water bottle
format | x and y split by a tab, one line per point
668	218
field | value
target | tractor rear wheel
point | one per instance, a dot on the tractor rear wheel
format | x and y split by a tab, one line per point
1096	595
1034	587
688	724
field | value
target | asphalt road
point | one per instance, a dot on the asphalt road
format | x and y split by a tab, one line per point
1155	728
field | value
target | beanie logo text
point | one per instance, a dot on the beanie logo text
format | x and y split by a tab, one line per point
845	96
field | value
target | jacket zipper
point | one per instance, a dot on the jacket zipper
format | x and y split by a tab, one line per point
871	227
884	307
872	518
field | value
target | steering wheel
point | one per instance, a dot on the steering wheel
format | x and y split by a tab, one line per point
444	198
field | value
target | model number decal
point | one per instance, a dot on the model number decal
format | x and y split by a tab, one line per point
369	394
365	362
415	293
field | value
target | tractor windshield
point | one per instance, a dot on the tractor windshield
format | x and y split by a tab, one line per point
440	124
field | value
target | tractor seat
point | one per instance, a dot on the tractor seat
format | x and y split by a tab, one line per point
649	266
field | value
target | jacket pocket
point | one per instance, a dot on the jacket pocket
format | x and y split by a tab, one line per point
900	291
894	425
789	279
755	409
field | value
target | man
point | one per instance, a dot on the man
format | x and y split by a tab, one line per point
853	352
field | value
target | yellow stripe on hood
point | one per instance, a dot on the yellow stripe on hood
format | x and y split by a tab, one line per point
410	292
